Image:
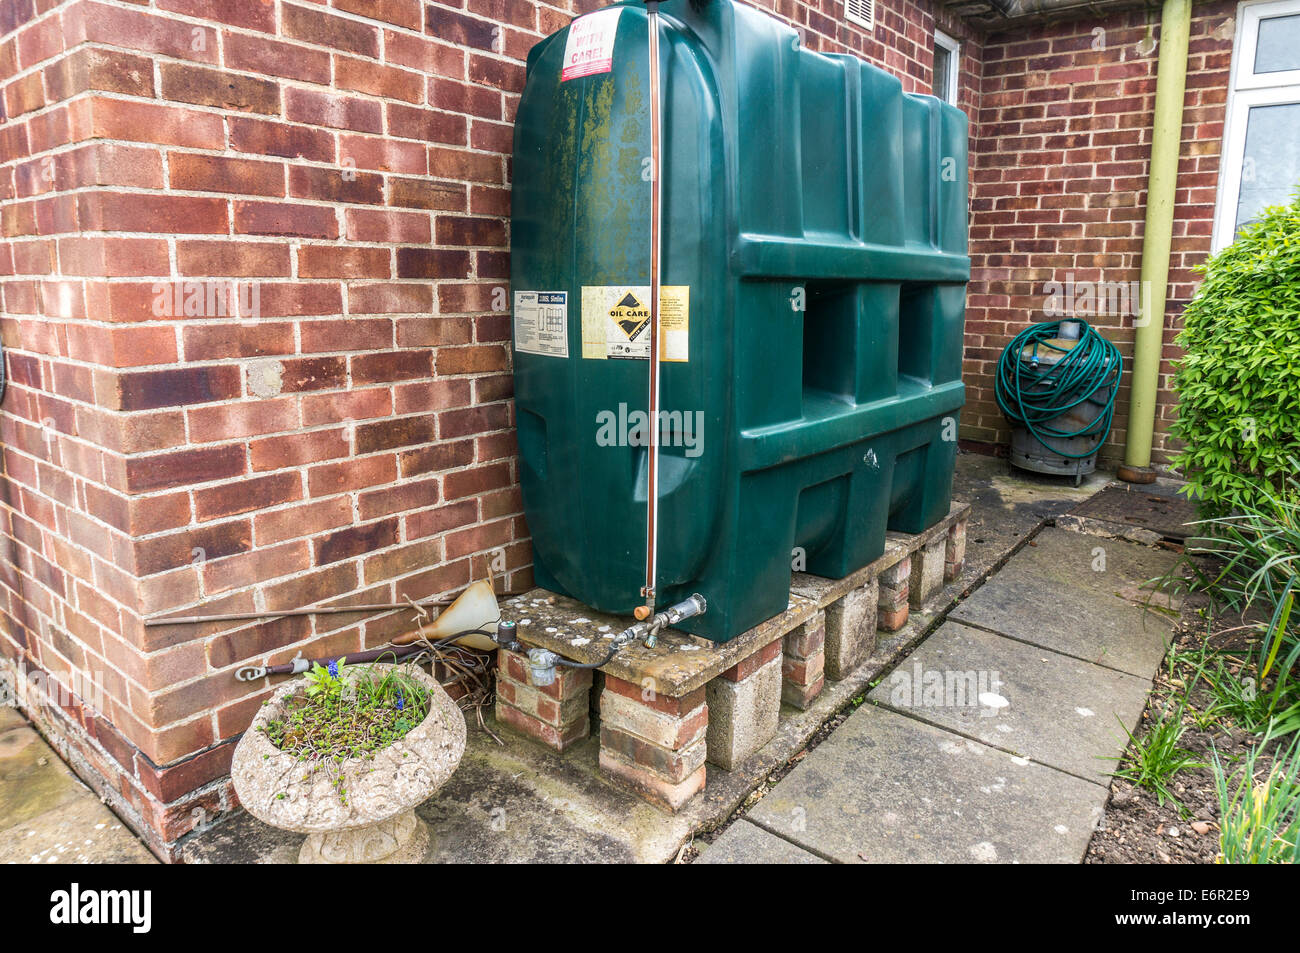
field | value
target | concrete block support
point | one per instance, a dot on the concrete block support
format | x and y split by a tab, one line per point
652	744
744	707
927	571
803	668
557	715
954	559
893	606
851	629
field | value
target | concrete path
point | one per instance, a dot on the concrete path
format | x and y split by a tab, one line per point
46	814
993	739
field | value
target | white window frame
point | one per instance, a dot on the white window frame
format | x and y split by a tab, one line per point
1247	89
953	46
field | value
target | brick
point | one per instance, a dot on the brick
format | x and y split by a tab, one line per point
390	366
747	666
398	432
146	390
429	125
653	725
232	499
342	184
330	478
338	261
510	717
251	14
647	695
148	122
183	467
649	785
426	194
386	225
209	87
671	765
891	620
276	218
111	71
313	25
232	259
172	214
292	450
354	541
385	82
258	54
332	110
263	138
203	173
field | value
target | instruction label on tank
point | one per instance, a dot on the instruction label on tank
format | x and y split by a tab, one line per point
589	48
542	322
616	322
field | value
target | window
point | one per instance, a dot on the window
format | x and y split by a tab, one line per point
1261	136
947	64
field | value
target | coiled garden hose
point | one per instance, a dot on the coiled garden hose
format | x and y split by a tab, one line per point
1033	393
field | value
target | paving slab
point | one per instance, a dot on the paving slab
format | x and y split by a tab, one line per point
746	843
32	778
83	831
1048	707
885	788
47	815
1079	595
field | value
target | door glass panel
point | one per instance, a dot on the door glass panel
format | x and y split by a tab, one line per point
1270	169
1278	45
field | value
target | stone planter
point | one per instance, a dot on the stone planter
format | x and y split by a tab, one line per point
378	823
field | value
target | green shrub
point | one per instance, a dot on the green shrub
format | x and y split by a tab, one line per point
1239	384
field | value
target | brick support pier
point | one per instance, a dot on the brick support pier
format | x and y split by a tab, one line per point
894	586
804	666
651	743
557	715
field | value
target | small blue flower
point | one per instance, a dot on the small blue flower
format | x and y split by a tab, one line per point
334	669
401	702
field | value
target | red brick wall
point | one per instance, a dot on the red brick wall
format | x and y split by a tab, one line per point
1059	180
352	438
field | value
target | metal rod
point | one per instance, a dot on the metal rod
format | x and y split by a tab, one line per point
283	613
652	463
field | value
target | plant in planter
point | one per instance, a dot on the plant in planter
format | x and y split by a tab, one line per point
345	754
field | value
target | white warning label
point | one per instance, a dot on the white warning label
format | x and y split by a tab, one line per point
542	322
589	48
616	321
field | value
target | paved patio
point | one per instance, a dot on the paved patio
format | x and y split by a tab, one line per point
1003	758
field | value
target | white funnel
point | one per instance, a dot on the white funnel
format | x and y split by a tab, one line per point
475	608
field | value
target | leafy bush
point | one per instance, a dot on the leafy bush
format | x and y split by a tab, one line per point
1239	384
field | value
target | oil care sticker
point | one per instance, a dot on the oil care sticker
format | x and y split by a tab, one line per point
542	322
589	48
616	322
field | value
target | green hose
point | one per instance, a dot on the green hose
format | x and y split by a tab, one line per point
1032	394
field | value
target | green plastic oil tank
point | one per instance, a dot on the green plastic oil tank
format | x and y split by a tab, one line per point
814	270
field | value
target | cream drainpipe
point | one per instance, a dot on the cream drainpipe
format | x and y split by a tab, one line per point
1175	25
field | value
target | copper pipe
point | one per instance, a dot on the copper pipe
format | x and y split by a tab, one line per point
652	462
